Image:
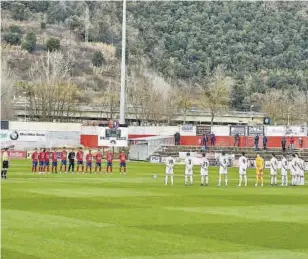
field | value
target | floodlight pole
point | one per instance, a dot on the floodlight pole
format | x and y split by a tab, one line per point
123	68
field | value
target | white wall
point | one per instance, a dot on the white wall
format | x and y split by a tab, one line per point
90	130
153	130
221	130
50	126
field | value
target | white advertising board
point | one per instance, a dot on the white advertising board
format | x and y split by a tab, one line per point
286	131
113	137
221	130
275	131
252	163
63	138
26	136
267	164
163	159
4	135
182	155
188	130
296	131
155	159
235	163
179	161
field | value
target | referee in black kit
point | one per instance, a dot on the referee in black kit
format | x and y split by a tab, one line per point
71	160
5	163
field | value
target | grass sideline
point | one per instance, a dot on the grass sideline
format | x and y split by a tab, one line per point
135	216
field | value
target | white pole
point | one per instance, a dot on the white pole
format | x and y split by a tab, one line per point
25	111
123	69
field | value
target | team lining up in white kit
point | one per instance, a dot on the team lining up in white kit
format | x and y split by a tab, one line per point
296	167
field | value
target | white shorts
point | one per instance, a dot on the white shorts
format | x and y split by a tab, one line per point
242	171
301	173
204	172
223	170
284	172
169	171
188	172
273	173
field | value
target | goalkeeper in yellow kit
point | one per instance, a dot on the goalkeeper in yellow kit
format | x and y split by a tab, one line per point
259	169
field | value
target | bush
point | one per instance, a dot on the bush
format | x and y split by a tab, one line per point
19	11
98	59
13	38
29	42
31	37
15	29
53	44
43	25
27	45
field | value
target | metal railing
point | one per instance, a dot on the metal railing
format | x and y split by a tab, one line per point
144	148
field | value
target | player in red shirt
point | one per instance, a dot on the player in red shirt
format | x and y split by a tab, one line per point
79	157
46	160
63	160
34	160
109	161
122	161
41	158
98	161
89	158
54	159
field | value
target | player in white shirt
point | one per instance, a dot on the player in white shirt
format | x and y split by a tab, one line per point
284	171
298	170
169	170
204	170
223	169
242	163
293	169
188	169
273	169
301	165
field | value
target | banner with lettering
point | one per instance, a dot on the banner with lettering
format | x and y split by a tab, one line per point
240	130
203	129
188	130
296	131
255	130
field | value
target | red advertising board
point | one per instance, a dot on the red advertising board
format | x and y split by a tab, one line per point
15	154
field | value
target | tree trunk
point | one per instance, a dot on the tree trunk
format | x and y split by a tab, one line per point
212	117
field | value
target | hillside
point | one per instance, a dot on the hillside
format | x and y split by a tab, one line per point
265	41
263	46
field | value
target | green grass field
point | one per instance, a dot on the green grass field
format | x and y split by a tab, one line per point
136	216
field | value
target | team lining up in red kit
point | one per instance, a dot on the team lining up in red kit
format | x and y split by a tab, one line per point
41	161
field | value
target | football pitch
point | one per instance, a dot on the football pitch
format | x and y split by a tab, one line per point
136	216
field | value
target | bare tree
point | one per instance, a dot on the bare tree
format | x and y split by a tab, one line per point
108	96
215	92
170	102
138	96
271	104
50	94
186	97
8	81
51	69
108	99
278	105
144	100
156	108
300	107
